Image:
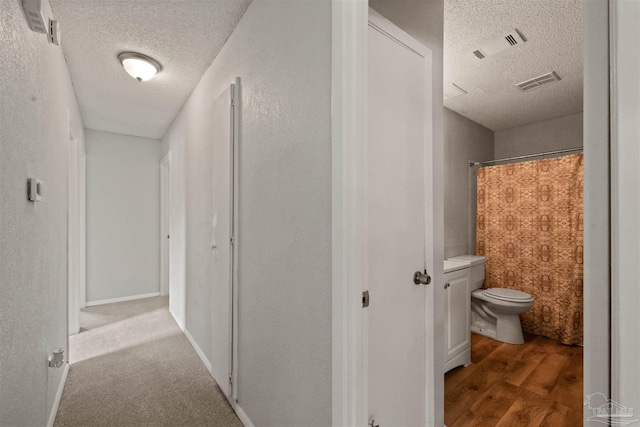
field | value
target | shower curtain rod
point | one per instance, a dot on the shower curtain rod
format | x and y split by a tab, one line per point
546	153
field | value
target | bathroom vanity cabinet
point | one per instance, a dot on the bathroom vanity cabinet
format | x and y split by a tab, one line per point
457	318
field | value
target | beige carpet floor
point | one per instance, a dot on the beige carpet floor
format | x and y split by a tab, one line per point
132	366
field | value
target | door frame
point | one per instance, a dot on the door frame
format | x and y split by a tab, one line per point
348	208
350	22
73	238
236	126
349	107
598	328
625	201
76	228
165	223
235	111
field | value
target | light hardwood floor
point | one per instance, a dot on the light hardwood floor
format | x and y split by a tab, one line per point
536	384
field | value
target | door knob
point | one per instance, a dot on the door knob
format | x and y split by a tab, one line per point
420	278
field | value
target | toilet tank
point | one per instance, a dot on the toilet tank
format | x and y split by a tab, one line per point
476	267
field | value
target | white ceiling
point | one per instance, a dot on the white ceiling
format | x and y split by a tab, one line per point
183	35
553	33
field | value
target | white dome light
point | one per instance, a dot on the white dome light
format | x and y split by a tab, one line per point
140	67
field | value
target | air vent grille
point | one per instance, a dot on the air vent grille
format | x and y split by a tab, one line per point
536	82
503	42
512	41
453	91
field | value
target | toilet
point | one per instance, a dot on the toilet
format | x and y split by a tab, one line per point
495	312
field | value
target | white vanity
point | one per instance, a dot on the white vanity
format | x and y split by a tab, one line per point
461	275
457	314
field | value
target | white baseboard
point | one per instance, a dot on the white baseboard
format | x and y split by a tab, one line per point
56	401
122	299
241	414
244	419
178	321
194	344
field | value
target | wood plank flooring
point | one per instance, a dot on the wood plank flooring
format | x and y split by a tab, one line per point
536	384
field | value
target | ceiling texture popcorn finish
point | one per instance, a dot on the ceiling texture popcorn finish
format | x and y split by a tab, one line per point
552	30
183	36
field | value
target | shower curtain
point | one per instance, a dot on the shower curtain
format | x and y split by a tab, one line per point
530	229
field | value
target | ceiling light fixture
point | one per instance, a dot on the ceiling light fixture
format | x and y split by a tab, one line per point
140	67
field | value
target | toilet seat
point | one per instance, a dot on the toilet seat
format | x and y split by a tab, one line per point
509	295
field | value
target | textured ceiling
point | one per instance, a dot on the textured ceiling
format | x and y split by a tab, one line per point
553	33
183	35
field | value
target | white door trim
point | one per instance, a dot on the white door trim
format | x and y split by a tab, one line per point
236	117
597	274
625	202
349	231
82	197
165	222
75	231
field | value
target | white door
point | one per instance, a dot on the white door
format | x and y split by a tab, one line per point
222	246
396	216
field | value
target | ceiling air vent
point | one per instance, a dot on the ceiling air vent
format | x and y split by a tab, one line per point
453	91
35	17
542	80
505	41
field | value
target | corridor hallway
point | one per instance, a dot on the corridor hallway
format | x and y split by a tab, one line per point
131	365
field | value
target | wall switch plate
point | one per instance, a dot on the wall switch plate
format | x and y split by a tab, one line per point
34	190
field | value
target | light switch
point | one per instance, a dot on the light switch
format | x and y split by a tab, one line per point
34	190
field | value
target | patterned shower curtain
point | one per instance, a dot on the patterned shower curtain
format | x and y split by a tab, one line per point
530	229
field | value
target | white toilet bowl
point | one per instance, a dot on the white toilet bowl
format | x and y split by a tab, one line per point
495	313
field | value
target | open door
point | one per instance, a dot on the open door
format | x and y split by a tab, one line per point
397	179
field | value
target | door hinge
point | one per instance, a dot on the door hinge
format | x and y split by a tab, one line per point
233	240
365	299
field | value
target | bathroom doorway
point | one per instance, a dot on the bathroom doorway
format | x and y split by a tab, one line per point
513	96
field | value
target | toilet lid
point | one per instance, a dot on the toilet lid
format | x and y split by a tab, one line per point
508	294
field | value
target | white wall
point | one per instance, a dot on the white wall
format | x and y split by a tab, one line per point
123	216
549	135
464	141
282	51
37	96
